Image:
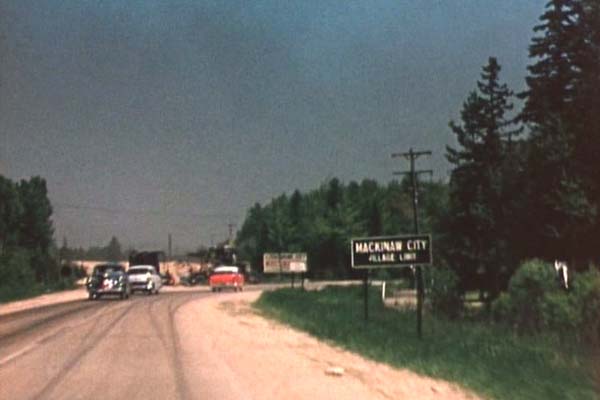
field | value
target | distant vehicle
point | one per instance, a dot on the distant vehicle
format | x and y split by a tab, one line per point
144	278
154	258
108	279
226	277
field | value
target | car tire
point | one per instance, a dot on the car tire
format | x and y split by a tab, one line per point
91	296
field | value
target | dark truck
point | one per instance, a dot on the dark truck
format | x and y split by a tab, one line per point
154	258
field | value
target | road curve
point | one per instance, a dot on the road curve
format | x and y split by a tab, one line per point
191	344
107	349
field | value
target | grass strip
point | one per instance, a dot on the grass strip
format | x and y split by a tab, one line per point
9	293
486	358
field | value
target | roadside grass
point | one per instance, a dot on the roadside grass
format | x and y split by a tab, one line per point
486	358
10	293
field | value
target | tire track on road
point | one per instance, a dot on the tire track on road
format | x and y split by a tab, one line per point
90	342
7	338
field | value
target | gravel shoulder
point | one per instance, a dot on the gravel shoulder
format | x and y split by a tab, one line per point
233	352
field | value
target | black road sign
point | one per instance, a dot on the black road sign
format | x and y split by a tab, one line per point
391	251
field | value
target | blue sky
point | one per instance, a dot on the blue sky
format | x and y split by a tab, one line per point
155	117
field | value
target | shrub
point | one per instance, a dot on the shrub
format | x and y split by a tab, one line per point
586	292
445	293
526	294
535	302
16	275
502	308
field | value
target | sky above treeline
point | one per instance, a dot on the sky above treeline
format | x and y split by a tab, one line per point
150	117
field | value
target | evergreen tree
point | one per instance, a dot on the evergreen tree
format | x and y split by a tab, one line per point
113	250
478	240
552	78
36	230
11	211
562	86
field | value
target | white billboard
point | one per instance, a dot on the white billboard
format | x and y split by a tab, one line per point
286	263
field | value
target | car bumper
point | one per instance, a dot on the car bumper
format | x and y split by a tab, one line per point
108	290
222	285
141	286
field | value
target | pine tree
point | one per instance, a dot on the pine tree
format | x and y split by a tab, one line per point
553	76
479	237
562	87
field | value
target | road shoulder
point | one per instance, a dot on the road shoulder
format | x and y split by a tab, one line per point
233	352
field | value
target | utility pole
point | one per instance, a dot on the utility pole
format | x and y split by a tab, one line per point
170	247
230	226
412	156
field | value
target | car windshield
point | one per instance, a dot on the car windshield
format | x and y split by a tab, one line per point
107	269
139	271
221	271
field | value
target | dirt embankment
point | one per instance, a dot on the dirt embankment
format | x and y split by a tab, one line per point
251	357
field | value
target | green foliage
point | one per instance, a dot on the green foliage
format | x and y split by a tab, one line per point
483	357
444	293
535	303
561	109
26	235
113	250
11	211
16	274
586	289
527	300
322	222
478	232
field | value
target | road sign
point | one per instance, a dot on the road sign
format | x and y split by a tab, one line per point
391	251
274	263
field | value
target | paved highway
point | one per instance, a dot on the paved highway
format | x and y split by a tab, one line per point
108	349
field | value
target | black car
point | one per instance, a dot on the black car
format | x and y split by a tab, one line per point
108	279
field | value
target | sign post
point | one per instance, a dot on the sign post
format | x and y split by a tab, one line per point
392	252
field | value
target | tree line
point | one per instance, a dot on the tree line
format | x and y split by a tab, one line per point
321	222
30	261
112	251
26	237
525	183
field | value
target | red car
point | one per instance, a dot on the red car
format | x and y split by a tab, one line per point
226	277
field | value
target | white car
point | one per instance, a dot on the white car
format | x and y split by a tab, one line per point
144	278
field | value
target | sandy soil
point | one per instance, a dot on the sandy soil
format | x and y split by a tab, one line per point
250	357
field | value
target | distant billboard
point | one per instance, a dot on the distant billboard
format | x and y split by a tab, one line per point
274	263
391	251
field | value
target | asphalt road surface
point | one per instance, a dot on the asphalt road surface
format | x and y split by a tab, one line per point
106	349
189	344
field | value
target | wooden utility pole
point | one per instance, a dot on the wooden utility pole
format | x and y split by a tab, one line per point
412	156
230	226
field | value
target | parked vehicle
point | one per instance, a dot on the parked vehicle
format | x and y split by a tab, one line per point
108	279
226	277
144	278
